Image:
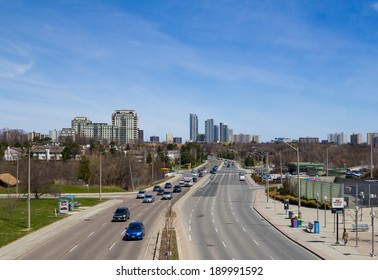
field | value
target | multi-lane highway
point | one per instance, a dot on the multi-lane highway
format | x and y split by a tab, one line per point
98	237
219	222
217	217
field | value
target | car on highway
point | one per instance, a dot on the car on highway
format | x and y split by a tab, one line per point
168	185
141	194
167	195
156	188
121	214
177	189
135	231
182	182
149	198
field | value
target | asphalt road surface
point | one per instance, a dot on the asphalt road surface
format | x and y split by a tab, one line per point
219	223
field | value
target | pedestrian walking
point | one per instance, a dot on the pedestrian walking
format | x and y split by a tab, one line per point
345	236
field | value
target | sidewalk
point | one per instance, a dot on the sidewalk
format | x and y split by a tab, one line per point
323	244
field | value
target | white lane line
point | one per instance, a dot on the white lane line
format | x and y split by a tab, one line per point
256	243
190	238
112	246
91	234
244	229
224	244
190	228
73	248
237	220
213	221
216	230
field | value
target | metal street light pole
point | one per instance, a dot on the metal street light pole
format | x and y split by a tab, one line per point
299	181
100	175
29	220
267	168
327	157
372	214
317	206
325	211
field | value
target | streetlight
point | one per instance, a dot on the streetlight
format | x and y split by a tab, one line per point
266	176
325	211
327	156
299	181
372	214
100	174
356	209
372	232
317	206
29	222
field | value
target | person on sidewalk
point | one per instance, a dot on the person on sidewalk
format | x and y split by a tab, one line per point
345	236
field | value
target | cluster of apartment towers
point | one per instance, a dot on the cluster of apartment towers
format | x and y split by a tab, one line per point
124	129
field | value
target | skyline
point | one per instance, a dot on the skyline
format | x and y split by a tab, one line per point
288	70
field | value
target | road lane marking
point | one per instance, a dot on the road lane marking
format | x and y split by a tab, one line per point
224	244
256	243
91	234
112	246
190	238
244	229
216	230
73	248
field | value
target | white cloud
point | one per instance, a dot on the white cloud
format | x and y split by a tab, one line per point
9	69
375	6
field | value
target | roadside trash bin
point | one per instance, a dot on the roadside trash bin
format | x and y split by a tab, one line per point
316	227
295	223
291	214
299	223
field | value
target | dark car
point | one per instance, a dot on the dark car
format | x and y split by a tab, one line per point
134	231
121	214
177	188
157	188
160	192
168	185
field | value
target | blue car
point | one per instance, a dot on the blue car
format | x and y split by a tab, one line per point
134	231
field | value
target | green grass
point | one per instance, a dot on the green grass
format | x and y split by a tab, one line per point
14	216
69	189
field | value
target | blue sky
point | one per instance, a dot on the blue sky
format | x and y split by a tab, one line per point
270	68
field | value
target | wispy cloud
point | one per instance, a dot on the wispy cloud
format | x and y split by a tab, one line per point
10	69
375	6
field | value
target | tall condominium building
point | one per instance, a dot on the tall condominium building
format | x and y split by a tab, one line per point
245	138
177	140
169	138
339	138
356	138
223	133
193	127
209	131
124	128
216	133
125	123
372	138
308	139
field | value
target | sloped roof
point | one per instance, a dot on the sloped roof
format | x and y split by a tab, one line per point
8	179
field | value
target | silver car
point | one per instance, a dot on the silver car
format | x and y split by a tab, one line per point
167	195
141	194
149	198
